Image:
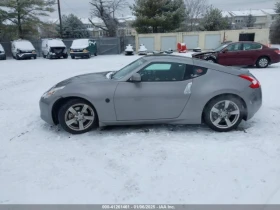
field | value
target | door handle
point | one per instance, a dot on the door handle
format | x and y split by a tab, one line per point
188	88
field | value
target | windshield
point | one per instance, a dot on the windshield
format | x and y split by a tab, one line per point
56	43
24	45
80	43
221	47
128	69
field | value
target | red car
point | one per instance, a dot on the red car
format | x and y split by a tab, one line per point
241	54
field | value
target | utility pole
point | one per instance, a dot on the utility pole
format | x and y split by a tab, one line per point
60	22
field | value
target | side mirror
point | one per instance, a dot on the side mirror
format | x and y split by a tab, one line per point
225	50
135	78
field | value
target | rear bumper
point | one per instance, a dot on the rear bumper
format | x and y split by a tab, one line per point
253	101
275	59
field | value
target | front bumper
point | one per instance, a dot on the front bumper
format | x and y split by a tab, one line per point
2	56
79	54
26	55
46	111
58	55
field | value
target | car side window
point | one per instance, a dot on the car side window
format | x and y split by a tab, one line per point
198	71
252	46
234	47
163	71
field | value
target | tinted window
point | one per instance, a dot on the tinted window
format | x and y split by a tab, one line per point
198	71
234	47
157	72
252	46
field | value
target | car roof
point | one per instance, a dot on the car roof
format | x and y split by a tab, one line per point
246	42
163	56
21	40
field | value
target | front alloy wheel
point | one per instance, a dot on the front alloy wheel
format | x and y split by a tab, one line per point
224	114
77	117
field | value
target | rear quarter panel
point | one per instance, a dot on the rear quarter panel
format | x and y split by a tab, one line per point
208	86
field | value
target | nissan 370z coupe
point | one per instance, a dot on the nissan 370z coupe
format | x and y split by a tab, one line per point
160	89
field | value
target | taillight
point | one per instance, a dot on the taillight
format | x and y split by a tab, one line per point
277	51
254	82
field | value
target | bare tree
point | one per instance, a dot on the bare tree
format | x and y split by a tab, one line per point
195	10
106	11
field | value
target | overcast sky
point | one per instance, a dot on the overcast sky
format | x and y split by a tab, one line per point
81	8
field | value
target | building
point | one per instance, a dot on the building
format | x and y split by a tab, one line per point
263	18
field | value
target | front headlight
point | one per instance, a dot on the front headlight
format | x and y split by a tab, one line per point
85	51
52	91
34	52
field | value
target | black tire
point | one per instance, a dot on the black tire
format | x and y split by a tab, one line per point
89	56
44	56
95	54
262	62
49	56
211	60
17	57
35	57
65	56
73	57
64	110
234	119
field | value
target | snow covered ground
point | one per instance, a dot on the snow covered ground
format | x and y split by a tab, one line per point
136	164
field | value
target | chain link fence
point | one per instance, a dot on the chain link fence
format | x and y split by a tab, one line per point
105	45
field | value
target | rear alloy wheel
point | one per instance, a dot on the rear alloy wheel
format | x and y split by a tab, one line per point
262	62
77	116
224	113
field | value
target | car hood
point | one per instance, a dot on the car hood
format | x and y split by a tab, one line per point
203	53
85	78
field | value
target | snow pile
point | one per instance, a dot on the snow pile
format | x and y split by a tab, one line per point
130	164
129	48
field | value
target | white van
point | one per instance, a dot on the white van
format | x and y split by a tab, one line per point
2	53
23	49
54	48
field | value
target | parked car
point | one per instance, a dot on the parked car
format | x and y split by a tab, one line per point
83	48
2	53
242	54
155	89
23	49
54	48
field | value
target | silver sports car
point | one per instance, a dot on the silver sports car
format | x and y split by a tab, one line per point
160	89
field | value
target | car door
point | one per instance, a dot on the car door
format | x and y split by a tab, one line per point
231	55
251	53
162	94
